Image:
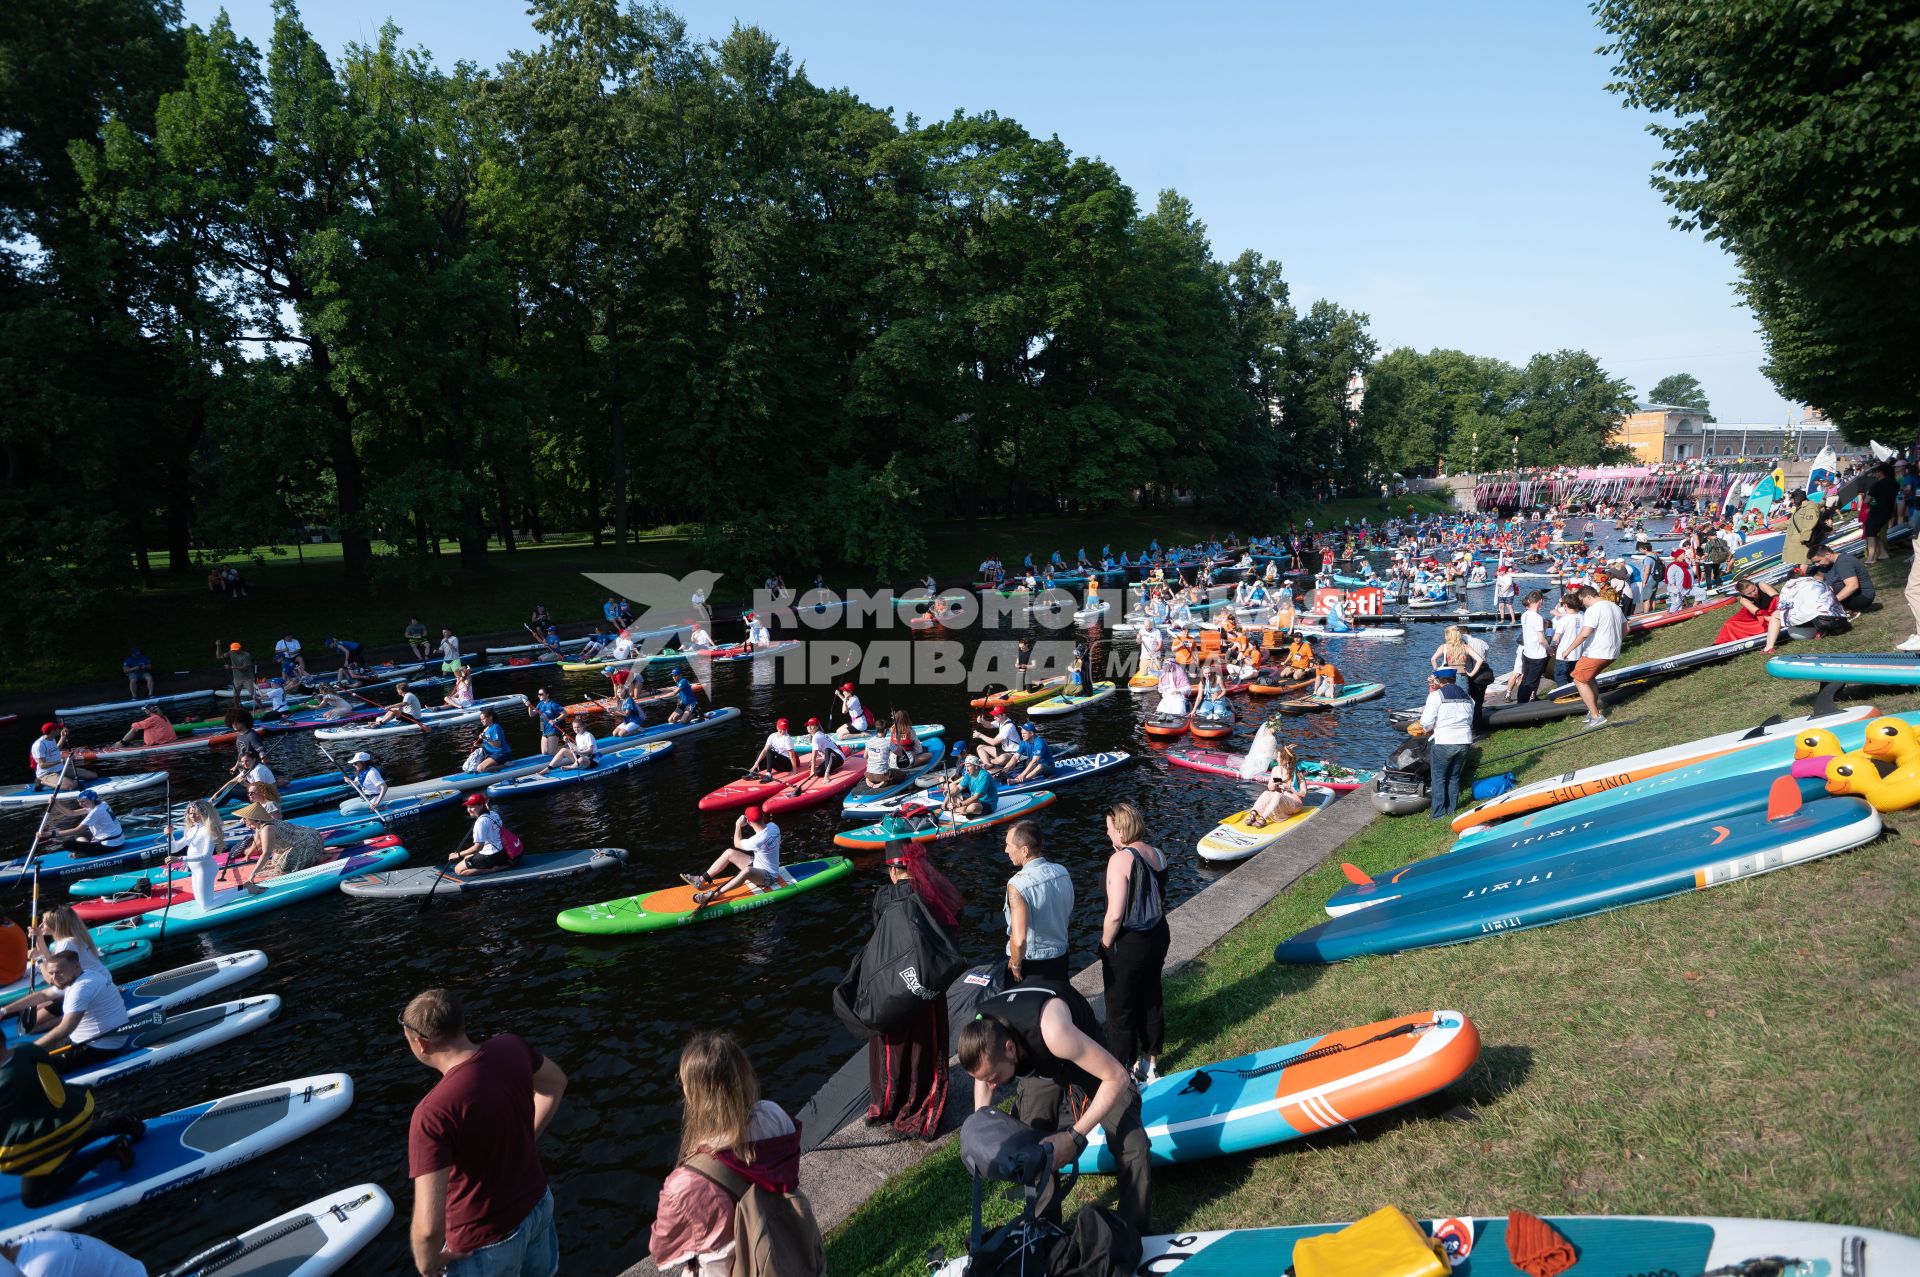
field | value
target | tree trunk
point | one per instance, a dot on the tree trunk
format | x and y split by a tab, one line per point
349	480
617	425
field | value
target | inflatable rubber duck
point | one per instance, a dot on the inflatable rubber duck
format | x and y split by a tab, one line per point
1893	740
1856	774
1817	743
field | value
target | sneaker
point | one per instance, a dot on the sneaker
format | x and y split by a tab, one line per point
1153	1073
1594	720
696	881
701	897
1138	1070
1909	644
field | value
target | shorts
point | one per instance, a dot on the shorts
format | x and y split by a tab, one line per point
490	860
1588	668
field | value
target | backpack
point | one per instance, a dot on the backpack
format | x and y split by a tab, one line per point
1716	551
510	843
774	1234
909	962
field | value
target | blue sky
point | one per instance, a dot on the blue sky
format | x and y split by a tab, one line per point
1456	171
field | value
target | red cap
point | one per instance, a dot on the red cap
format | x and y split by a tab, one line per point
813	722
846	687
50	727
781	724
999	711
753	813
476	800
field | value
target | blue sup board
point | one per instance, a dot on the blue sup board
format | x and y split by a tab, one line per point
1885	669
1574	884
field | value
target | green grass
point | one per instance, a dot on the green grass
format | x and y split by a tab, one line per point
179	623
1742	1051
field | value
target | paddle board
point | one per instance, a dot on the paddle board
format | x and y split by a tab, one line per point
1065	770
1214	762
275	893
1235	839
1300	1088
1573	884
1614	676
308	1241
159	1036
20	796
932	827
1054	706
674	907
1352	694
432	720
1886	669
184	1147
438	880
1600	777
811	791
609	763
1359	632
115	707
1021	696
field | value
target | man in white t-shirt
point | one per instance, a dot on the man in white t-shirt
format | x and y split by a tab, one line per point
1602	628
90	1008
57	1254
449	652
1531	653
1001	746
754	858
1803	601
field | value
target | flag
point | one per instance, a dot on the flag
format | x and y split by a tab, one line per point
1821	476
1768	491
1880	450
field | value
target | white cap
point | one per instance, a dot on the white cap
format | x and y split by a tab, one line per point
362	757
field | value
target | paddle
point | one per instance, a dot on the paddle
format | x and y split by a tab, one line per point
348	777
393	709
33	853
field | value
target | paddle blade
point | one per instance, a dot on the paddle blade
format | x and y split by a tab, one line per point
1356	875
1783	799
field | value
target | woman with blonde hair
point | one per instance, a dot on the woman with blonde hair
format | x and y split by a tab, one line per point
205	838
1133	942
726	1131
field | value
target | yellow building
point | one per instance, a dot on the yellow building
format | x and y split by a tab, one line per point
1662	432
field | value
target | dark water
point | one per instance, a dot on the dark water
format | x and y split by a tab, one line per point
613	1012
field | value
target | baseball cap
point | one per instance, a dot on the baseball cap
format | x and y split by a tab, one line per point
754	814
476	800
781	724
999	711
362	757
90	795
233	647
846	687
813	722
53	726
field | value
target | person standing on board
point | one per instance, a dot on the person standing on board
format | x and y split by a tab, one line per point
482	1206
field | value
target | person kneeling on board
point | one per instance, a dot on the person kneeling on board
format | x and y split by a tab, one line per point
1043	1036
90	1008
827	756
96	831
45	1126
754	858
487	852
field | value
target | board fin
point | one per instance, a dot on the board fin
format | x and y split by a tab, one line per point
1762	729
1783	799
1355	875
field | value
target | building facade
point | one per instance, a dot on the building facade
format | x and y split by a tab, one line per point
1664	433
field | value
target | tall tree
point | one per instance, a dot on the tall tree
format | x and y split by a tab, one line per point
1680	390
1793	141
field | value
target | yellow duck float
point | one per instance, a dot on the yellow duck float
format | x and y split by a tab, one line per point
1857	774
1893	740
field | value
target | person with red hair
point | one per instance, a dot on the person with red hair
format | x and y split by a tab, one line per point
907	1069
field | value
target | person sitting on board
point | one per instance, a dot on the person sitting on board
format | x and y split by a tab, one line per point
1000	747
490	749
1174	687
367	780
858	723
1213	694
699	640
96	831
778	745
826	755
460	695
406	709
686	700
1284	795
581	753
487	851
1035	761
152	728
904	743
1043	1036
631	714
975	794
89	1007
252	770
1076	687
270	700
51	1134
1328	682
877	757
48	757
754	859
759	637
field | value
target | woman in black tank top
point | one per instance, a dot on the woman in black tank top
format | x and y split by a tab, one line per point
1133	943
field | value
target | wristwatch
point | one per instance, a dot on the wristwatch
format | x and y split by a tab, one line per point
1079	1141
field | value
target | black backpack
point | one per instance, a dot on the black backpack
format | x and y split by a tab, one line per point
909	962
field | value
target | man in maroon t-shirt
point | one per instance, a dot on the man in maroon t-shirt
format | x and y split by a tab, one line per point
478	1185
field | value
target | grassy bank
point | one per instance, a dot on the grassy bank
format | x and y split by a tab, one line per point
1741	1051
178	623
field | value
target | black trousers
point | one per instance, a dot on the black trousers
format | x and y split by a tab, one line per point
1045	1105
44	1190
1045	969
1130	970
1531	668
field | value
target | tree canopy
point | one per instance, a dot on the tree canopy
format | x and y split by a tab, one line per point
1792	139
1680	390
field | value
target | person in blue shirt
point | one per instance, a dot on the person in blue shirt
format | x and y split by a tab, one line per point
349	653
633	715
138	670
552	717
686	703
610	612
1036	757
490	751
976	793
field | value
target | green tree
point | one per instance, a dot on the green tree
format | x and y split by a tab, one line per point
1681	390
1792	140
1567	411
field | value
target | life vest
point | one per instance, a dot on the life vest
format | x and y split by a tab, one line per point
48	1119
